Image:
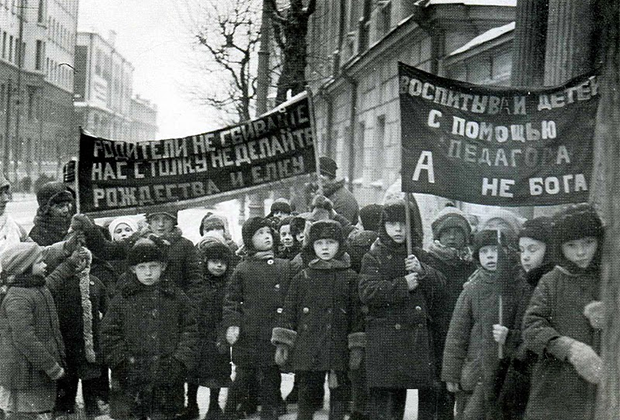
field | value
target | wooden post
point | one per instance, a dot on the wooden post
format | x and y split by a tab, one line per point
608	129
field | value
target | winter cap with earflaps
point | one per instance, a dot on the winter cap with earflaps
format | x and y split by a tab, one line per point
250	227
394	211
164	209
370	216
485	238
212	246
538	228
210	222
54	193
19	258
450	217
281	204
325	229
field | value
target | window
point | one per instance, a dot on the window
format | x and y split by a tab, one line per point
10	47
358	158
41	12
384	17
364	27
4	44
379	148
40	53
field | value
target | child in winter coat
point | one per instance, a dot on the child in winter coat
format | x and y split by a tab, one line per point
149	339
321	315
31	346
253	303
81	301
564	320
535	253
449	253
405	305
289	246
213	364
471	365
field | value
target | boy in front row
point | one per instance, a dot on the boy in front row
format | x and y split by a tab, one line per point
149	339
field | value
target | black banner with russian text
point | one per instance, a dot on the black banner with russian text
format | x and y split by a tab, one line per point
497	146
118	175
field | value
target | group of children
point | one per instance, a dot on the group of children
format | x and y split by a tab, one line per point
505	327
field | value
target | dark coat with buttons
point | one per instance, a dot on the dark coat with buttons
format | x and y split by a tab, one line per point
254	302
322	306
149	338
401	325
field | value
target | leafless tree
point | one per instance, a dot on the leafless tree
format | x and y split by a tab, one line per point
228	33
290	27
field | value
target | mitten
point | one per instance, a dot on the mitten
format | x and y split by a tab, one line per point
500	333
453	387
355	358
281	354
595	312
232	335
81	222
587	363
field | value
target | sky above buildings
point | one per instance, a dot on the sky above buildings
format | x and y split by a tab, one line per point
153	36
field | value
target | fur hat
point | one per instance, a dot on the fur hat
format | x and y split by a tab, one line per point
370	216
18	258
450	217
575	222
298	225
211	221
327	166
119	221
164	209
54	193
325	229
485	238
212	246
281	204
250	227
321	208
394	211
145	250
538	228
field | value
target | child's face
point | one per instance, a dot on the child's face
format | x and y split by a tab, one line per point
452	237
262	240
488	257
280	214
61	209
580	251
39	267
217	267
148	273
122	231
326	248
285	236
396	231
532	253
161	224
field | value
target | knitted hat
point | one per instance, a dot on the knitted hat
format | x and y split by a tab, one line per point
54	193
119	221
508	217
167	210
538	228
210	222
145	251
18	258
325	229
250	227
213	247
370	216
485	238
281	204
575	222
327	166
450	217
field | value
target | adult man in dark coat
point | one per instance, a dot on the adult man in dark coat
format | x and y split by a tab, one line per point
344	201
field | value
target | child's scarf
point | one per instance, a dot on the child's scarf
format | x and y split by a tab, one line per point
87	311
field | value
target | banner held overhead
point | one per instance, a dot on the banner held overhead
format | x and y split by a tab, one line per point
120	177
497	146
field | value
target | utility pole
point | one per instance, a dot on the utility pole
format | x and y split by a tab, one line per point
20	63
257	200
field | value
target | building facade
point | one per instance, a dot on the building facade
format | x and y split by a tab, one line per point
36	86
354	48
144	119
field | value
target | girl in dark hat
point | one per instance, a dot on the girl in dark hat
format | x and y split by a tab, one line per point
564	320
252	306
56	207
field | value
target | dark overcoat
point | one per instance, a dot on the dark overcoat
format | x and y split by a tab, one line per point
254	302
401	325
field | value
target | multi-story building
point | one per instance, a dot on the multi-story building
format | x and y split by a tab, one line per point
144	119
104	102
354	48
36	85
